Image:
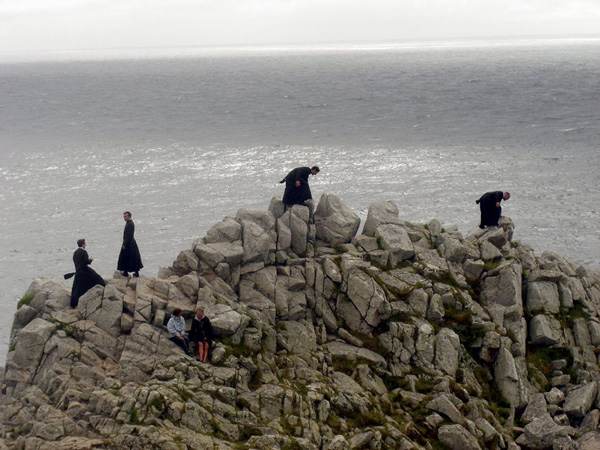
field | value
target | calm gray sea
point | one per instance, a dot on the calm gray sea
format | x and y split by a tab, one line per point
183	142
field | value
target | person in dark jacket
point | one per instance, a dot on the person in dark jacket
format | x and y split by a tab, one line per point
489	204
85	277
202	334
129	258
297	190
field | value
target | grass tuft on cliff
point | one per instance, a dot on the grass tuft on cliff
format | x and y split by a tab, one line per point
25	300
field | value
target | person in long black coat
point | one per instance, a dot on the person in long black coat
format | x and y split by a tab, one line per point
85	277
489	204
202	334
297	190
130	259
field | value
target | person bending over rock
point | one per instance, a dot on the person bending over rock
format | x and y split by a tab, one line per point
489	204
176	328
85	277
297	190
129	258
202	334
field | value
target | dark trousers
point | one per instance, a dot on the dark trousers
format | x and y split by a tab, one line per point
490	215
183	343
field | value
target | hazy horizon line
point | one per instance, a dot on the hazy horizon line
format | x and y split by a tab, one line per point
95	53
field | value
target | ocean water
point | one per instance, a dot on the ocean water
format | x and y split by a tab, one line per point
184	141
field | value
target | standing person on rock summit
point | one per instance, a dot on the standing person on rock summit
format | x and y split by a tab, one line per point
297	190
85	277
489	204
129	258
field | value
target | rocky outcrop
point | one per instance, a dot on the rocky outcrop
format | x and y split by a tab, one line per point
407	336
383	223
336	223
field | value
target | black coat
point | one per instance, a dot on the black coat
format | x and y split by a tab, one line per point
297	195
202	330
85	277
130	259
490	213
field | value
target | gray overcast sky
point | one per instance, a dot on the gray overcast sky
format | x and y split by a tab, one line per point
41	25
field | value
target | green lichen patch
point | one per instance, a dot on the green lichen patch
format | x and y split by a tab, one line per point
25	300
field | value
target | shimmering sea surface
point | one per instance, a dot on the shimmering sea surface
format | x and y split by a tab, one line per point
184	141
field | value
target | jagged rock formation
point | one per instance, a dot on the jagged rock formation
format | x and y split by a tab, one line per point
407	336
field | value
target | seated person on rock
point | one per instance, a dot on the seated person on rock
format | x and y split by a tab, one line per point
176	328
202	334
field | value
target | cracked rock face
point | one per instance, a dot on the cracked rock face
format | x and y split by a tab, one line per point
545	330
580	400
447	348
405	336
368	298
380	213
457	437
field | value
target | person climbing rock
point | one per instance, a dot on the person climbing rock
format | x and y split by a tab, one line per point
297	190
489	204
